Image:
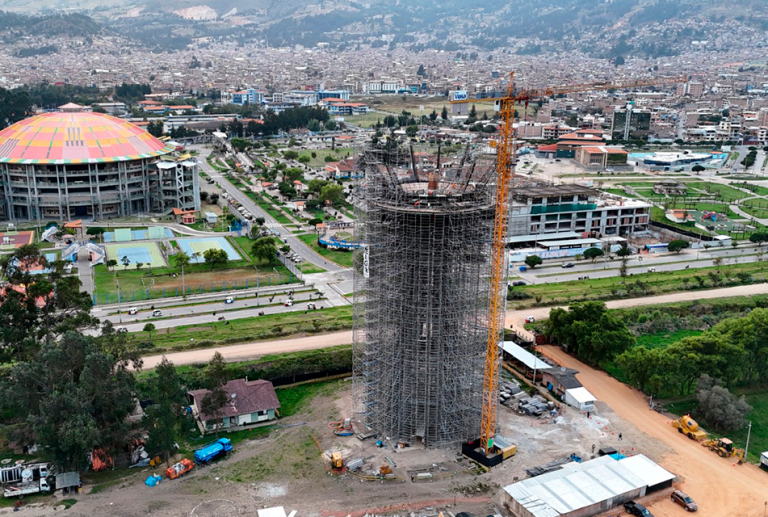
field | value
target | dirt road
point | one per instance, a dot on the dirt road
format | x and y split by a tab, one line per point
251	350
514	319
720	487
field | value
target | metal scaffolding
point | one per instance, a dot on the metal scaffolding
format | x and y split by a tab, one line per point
422	285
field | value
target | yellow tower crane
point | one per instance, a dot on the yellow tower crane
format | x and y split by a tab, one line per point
505	164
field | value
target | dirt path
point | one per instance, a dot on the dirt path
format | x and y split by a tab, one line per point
513	319
251	350
720	487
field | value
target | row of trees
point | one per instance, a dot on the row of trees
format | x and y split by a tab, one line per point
734	350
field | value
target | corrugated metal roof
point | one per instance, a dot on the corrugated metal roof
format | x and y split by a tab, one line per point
524	356
578	485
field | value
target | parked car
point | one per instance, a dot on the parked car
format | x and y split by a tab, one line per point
637	509
568	264
530	319
517	283
156	313
684	500
133	310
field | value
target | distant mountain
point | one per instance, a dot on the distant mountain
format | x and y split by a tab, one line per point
604	27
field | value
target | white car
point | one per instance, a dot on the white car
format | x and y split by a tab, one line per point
157	313
530	319
121	330
289	303
133	310
229	299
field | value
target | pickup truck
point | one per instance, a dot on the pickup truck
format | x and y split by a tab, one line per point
27	488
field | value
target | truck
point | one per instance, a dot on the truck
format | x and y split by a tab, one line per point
688	426
213	450
764	460
33	479
179	469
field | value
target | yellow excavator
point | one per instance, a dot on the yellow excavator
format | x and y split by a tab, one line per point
688	426
724	448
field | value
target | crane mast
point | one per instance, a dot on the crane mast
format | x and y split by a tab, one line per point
505	164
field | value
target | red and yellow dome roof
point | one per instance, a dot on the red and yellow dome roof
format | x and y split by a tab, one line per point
77	137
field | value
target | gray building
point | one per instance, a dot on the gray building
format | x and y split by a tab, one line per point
630	124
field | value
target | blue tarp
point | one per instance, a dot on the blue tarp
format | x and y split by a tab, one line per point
153	480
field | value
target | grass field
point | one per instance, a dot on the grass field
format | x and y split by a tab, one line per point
270	326
342	258
727	193
615	287
198	278
757	189
664	339
367	120
269	208
319	159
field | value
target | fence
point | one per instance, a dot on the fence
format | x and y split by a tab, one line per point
201	288
290	266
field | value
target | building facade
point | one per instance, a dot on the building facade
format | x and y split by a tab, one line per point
68	165
574	208
630	124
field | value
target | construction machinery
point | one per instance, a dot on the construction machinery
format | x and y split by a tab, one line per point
689	427
337	461
505	164
179	469
724	448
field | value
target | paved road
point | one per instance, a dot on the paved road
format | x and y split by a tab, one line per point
513	319
173	317
720	487
296	244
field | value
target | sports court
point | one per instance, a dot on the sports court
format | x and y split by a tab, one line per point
128	235
12	240
191	246
146	253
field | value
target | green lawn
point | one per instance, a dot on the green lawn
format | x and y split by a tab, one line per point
369	119
664	339
134	284
309	268
342	258
614	287
268	207
757	189
320	154
270	326
727	193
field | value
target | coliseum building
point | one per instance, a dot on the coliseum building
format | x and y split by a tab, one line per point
74	164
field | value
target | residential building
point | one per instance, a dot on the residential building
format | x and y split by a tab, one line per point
601	157
630	123
333	94
538	210
248	403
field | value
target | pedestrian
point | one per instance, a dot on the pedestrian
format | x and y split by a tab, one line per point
593	448
619	436
588	414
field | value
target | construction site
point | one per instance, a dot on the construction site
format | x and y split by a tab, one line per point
421	326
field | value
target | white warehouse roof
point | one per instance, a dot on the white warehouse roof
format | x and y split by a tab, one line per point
579	485
524	356
581	395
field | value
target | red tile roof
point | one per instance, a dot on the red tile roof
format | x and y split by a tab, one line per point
249	397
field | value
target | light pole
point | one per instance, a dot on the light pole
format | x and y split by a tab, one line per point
183	285
746	448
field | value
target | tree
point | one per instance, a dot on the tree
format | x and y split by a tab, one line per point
216	377
203	196
182	259
698	168
444	113
433	115
332	194
720	408
111	263
305	159
149	328
678	245
215	256
641	365
593	253
125	260
314	221
161	418
624	251
260	221
623	268
213	198
290	155
96	231
15	105
532	261
264	249
331	125
411	131
591	332
76	395
420	71
139	265
758	237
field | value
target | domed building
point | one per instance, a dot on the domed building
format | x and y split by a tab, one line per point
74	164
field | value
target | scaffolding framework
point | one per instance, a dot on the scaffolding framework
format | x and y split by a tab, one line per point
422	285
